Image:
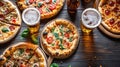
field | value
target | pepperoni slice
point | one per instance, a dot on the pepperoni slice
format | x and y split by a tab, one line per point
31	1
116	9
66	35
107	12
49	40
1	4
111	3
118	23
11	28
2	17
118	1
52	6
112	21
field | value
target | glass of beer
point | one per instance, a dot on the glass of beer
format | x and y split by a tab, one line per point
91	18
31	16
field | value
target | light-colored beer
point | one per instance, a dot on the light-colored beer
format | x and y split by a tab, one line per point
85	29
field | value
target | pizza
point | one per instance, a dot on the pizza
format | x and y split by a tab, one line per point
59	38
23	55
10	20
47	8
110	11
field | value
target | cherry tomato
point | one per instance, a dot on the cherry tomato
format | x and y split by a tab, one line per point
14	20
11	28
52	7
49	40
40	10
27	50
66	35
31	1
22	65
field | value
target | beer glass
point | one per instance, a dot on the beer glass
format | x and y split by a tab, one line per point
90	19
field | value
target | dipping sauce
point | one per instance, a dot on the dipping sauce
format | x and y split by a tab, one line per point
91	18
31	16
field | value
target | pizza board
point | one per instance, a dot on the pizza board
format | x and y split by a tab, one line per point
20	19
104	30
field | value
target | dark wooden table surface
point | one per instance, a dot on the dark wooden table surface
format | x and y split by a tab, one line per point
94	50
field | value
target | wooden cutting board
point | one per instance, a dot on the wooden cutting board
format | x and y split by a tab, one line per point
104	30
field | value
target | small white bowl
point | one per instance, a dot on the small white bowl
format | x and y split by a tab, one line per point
28	19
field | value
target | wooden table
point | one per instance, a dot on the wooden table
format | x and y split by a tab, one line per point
94	50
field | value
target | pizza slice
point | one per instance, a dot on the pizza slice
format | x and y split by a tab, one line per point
7	31
9	14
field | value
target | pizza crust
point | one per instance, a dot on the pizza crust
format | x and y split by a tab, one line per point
60	54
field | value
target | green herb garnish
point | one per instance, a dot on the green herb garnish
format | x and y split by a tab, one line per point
56	35
21	50
71	39
54	65
34	39
52	44
25	33
40	4
61	47
52	30
5	30
48	10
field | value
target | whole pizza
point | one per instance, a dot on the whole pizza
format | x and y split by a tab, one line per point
47	8
23	55
110	11
10	20
59	38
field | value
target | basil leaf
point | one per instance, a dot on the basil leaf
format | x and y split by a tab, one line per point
69	66
40	4
52	44
54	1
56	35
25	33
61	47
52	30
21	50
5	30
71	39
54	65
48	10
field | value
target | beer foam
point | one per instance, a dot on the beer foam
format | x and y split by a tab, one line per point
31	16
91	18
